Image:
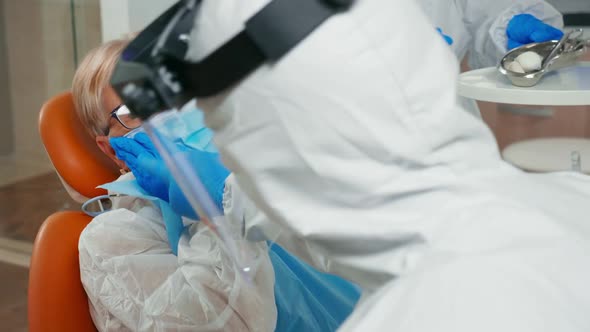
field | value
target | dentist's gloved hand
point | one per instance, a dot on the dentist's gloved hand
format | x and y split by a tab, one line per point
525	29
212	174
141	156
151	173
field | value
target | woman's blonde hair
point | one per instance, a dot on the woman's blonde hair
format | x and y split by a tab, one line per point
91	78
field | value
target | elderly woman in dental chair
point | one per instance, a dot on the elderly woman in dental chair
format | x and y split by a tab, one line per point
146	268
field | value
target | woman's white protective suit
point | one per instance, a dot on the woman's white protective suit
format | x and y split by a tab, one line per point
353	142
135	283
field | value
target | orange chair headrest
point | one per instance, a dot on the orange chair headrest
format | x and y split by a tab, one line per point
73	152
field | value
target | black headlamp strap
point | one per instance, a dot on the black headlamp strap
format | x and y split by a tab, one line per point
268	35
148	84
282	24
229	63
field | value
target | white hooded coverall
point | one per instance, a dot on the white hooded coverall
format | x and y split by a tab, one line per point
359	128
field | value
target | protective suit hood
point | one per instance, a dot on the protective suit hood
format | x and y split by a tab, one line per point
357	118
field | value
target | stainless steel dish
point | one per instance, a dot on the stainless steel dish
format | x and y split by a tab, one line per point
556	54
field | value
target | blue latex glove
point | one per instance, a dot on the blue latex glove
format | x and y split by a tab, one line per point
212	174
447	38
153	176
525	29
141	156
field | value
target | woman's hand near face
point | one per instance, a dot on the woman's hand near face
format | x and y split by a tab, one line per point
145	162
152	174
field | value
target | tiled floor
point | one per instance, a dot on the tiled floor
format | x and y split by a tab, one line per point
13	298
24	205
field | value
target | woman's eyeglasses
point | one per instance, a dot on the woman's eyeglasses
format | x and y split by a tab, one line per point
122	114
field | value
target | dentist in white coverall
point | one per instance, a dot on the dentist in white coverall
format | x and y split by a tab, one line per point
477	28
353	144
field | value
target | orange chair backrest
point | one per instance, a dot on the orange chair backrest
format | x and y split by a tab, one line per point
57	300
73	152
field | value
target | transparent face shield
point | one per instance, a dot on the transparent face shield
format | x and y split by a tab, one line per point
173	133
156	82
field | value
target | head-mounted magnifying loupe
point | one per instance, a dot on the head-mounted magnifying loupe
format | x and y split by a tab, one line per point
152	74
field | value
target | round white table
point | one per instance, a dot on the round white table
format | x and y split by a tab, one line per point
568	86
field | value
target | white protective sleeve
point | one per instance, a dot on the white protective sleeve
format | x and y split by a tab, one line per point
488	21
135	283
240	210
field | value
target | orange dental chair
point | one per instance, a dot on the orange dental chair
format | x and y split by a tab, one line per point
56	299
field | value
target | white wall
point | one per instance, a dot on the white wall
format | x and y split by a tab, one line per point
120	17
6	134
571	6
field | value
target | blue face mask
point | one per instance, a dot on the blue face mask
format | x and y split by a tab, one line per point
134	132
194	132
190	129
